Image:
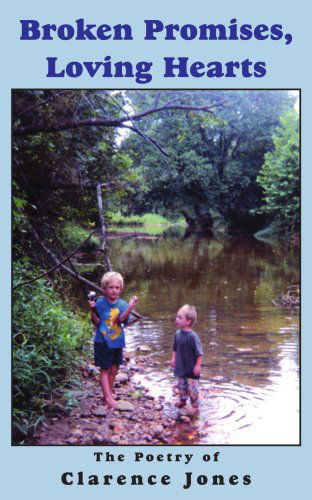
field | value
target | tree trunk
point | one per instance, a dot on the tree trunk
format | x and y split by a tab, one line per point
104	247
198	224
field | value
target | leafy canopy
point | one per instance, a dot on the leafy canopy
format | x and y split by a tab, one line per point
279	176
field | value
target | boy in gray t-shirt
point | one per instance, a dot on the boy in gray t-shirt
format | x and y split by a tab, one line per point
187	356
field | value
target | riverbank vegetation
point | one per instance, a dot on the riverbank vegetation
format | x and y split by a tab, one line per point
87	159
49	339
148	219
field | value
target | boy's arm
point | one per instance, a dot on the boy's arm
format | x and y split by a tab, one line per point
133	301
173	359
94	317
197	366
174	352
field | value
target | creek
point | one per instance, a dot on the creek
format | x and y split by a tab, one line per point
250	387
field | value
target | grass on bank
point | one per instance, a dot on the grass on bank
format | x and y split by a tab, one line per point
48	343
146	220
73	235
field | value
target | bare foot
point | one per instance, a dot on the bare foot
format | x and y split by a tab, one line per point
111	403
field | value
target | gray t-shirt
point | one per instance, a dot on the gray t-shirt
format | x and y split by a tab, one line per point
187	346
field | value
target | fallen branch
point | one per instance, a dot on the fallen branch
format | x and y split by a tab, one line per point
60	264
72	273
52	269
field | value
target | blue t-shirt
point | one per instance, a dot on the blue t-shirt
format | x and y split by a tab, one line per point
110	330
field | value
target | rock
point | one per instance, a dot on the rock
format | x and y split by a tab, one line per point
149	406
98	439
148	416
124	406
85	413
88	441
137	395
118	428
89	385
137	419
113	423
184	419
170	422
77	433
72	440
123	391
78	394
218	378
100	411
121	378
156	430
91	429
89	371
143	348
88	394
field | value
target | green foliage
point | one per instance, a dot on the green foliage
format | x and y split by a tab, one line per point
57	170
118	218
146	219
18	213
150	219
280	175
213	159
48	342
73	235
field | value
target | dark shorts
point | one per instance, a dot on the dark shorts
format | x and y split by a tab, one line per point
104	357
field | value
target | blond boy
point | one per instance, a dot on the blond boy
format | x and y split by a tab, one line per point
187	356
109	313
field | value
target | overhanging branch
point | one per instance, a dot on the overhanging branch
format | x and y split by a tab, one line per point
104	122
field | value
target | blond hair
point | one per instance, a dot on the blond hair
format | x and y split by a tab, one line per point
189	312
111	275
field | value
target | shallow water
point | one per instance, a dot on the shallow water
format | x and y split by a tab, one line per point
250	378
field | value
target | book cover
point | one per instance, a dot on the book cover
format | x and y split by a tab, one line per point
183	101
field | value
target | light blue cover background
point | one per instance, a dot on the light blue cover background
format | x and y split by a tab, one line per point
35	471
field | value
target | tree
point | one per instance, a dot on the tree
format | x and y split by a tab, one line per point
212	160
65	153
279	176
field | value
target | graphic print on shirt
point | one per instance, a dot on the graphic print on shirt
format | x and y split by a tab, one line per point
114	329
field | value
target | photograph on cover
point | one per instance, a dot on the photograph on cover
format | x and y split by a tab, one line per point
156	285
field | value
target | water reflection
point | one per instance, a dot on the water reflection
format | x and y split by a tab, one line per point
249	384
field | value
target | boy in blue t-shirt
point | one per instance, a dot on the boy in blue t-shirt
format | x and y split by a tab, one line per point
108	313
187	356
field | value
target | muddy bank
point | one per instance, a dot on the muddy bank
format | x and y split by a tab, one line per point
138	418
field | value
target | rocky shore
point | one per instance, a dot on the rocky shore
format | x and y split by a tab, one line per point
138	418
